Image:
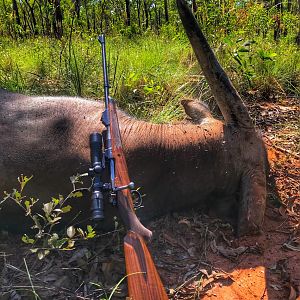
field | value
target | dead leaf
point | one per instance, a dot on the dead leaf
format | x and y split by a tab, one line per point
50	277
203	271
79	254
169	239
231	252
293	245
282	211
186	222
228	242
169	251
107	270
192	251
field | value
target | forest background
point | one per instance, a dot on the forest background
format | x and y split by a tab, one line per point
50	47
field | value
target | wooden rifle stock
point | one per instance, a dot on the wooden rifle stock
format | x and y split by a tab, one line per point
143	279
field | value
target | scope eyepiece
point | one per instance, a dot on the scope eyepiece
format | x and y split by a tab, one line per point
97	206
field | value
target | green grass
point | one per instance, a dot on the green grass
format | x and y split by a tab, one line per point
148	74
263	66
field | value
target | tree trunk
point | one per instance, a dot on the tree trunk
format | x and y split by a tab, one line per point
195	7
127	5
166	11
16	12
94	18
57	19
87	15
277	20
138	7
41	18
33	19
77	4
146	13
298	35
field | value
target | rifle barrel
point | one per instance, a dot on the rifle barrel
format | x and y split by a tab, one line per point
106	115
101	40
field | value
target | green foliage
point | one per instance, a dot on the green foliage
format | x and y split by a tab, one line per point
149	74
46	238
257	65
151	64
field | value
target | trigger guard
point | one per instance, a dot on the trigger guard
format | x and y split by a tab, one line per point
137	195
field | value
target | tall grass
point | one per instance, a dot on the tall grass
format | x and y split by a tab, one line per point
149	74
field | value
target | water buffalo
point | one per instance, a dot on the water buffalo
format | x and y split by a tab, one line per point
177	165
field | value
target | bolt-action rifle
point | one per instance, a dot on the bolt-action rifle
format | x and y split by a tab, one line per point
107	154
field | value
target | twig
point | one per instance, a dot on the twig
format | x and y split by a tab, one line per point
9	266
264	294
217	269
281	149
36	296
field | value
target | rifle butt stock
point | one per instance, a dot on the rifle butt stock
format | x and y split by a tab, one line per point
143	279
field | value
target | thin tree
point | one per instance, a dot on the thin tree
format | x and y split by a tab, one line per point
166	11
127	8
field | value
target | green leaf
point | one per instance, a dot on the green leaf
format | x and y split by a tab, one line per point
52	240
76	194
27	205
27	240
23	181
89	228
16	194
66	209
55	200
237	58
91	235
91	232
243	49
59	243
227	41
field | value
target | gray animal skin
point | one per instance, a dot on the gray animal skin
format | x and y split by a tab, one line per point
178	166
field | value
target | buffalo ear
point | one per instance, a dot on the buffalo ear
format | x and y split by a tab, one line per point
196	110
